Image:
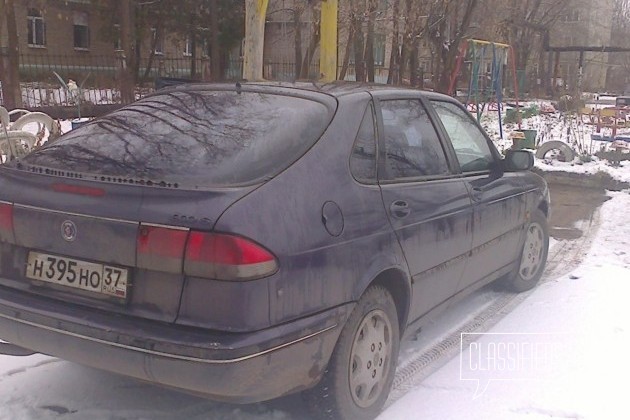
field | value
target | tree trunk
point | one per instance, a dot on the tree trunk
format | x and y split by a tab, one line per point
346	54
414	63
449	55
359	46
10	58
255	12
193	45
215	46
542	86
310	51
128	56
406	42
297	22
369	42
393	75
154	41
556	72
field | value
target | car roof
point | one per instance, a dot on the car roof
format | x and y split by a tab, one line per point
336	88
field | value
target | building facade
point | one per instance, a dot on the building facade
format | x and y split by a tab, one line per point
586	23
78	37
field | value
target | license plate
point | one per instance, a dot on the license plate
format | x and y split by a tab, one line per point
100	278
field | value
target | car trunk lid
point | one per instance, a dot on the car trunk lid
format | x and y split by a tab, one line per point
102	226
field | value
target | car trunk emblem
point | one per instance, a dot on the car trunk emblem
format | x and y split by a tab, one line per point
68	230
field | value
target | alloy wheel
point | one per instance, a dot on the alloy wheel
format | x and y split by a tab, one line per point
369	358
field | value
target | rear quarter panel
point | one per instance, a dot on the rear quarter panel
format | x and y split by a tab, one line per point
317	269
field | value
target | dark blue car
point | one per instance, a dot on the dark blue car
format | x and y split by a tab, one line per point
248	242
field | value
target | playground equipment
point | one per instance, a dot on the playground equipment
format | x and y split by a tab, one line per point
607	122
486	61
14	140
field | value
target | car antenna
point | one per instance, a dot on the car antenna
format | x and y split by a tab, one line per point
238	87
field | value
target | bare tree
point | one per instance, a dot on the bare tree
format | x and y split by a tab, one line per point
315	36
524	20
255	12
9	57
357	15
393	75
448	24
618	77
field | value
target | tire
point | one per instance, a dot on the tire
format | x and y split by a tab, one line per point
565	149
359	376
533	255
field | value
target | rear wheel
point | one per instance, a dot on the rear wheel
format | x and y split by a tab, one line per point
361	370
533	255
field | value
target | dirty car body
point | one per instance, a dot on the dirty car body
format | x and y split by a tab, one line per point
219	238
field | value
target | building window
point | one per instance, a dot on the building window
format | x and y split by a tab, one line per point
117	38
81	31
36	28
572	16
379	50
158	41
188	47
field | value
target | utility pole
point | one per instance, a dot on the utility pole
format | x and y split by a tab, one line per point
255	13
328	48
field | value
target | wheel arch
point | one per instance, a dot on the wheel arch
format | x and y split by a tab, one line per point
544	207
396	283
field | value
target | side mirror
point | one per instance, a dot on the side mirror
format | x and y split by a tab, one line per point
518	160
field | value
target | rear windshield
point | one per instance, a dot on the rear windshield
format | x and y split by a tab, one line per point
194	139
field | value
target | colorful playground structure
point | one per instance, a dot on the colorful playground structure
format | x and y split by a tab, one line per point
608	123
483	64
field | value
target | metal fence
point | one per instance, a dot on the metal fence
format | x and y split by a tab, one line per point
95	78
286	71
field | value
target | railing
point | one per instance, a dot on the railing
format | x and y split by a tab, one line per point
286	71
184	67
97	76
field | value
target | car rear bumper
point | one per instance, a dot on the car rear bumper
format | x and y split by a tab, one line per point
234	367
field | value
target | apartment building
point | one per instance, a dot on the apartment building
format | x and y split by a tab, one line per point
75	37
586	23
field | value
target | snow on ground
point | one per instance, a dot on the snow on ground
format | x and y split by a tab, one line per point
562	353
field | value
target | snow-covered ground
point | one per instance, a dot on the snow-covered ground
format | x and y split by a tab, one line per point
561	353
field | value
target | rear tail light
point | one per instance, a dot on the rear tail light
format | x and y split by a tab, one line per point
6	223
161	248
227	257
202	254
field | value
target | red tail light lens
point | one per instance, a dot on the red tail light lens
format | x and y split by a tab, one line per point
202	254
6	222
227	257
161	248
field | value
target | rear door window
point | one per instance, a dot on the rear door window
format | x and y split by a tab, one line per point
412	145
193	138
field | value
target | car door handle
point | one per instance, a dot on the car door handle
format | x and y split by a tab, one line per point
476	193
399	209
